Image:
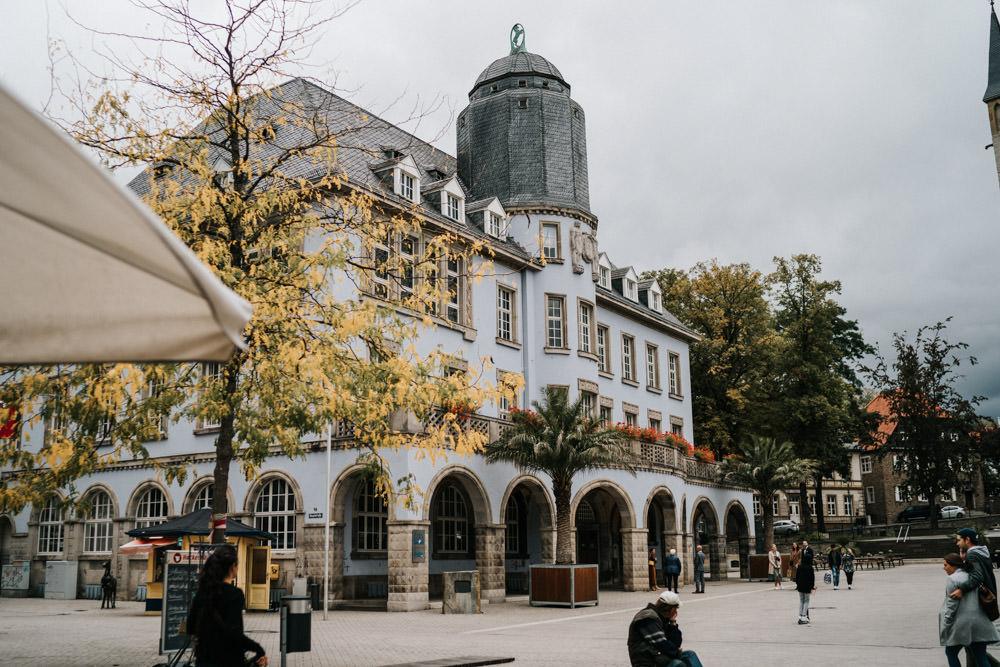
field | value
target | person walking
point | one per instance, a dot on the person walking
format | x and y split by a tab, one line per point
794	557
981	567
654	638
672	570
774	560
652	570
847	565
216	615
805	581
961	622
835	559
699	570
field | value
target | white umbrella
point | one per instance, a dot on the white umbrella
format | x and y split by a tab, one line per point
87	272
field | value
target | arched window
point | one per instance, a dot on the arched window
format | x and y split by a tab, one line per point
203	498
97	524
151	508
274	512
585	513
371	513
451	522
50	528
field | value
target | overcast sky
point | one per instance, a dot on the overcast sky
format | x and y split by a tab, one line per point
739	131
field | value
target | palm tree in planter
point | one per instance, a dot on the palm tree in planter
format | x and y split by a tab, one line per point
765	467
559	439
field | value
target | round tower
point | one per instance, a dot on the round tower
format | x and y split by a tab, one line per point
523	140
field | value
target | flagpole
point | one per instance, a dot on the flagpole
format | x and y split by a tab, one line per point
326	530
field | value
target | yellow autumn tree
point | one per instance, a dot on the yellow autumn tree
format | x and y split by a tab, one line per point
253	172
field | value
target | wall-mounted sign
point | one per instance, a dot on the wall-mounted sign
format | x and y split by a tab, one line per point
315	515
419	554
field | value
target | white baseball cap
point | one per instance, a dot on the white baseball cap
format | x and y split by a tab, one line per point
670	599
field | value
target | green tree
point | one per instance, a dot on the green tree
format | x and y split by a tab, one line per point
815	394
560	440
251	176
934	436
765	466
732	364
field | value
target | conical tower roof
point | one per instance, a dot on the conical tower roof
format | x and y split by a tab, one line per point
993	79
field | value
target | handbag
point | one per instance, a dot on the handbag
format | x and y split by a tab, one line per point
988	603
827	578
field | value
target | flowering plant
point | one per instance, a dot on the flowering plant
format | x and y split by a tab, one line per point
527	417
462	410
636	433
678	441
702	454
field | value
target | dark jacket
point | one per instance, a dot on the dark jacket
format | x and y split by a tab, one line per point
805	578
699	561
652	639
219	630
836	558
672	565
982	570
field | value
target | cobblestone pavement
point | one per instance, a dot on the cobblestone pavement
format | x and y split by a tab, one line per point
890	618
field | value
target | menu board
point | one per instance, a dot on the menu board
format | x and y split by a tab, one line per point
180	583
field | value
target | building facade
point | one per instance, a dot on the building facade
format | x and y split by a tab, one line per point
554	309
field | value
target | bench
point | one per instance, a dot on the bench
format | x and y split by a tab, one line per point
464	661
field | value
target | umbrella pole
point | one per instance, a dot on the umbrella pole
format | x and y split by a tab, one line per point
326	540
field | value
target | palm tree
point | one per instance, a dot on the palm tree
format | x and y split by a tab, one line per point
559	439
765	467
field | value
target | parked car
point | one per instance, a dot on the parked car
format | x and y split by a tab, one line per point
786	527
952	512
916	513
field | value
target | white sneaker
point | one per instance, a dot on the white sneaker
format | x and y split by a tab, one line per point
834	588
848	587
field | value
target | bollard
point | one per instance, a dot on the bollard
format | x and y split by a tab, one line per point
296	625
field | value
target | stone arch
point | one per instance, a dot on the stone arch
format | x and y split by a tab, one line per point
663	529
549	519
615	490
471	485
706	531
140	490
6	538
703	507
737	534
187	505
342	488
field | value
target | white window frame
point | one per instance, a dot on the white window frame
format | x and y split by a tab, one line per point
870	495
812	503
831	505
674	370
652	366
602	337
51	528
555	321
628	357
848	504
550	251
506	313
370	519
793	506
756	505
451	521
279	516
604	276
606	414
407	184
151	508
453	293
494	224
631	289
98	530
409	249
632	418
586	334
204	497
452	206
866	464
589	399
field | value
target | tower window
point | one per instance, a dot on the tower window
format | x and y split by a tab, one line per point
493	88
522	83
545	84
522	103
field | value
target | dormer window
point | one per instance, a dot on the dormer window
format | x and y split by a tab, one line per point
405	185
494	224
605	277
631	291
654	301
452	207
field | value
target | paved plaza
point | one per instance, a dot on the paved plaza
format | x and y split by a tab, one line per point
890	618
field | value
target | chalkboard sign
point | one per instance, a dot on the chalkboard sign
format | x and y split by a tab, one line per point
180	583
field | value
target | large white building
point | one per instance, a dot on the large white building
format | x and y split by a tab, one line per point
556	310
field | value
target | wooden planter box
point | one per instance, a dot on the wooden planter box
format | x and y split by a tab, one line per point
563	585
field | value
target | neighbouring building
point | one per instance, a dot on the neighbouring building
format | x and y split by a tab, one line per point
558	311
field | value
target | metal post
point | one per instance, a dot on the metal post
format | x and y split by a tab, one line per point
284	635
326	531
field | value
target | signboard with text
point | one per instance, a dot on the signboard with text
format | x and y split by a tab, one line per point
180	583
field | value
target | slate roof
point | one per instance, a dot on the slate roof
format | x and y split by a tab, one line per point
519	63
362	140
993	78
665	316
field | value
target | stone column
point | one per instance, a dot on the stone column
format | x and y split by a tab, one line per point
491	561
336	561
549	546
719	564
407	580
686	552
635	559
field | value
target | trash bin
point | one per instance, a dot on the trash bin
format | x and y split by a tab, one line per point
314	596
297	623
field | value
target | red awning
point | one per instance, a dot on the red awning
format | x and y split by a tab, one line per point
144	546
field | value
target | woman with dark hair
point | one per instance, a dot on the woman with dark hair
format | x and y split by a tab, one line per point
216	616
961	623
